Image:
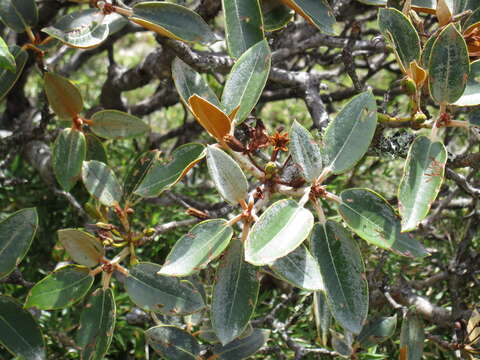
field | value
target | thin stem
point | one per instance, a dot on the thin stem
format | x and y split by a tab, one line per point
320	213
245	231
305	197
122	11
323	175
436	125
106	276
30	35
235	219
333	197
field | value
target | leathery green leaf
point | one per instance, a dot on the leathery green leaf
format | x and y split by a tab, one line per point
162	294
275	15
138	171
113	124
399	30
82	247
316	12
300	269
243	25
375	221
8	78
227	175
80	29
7	60
471	95
172	343
412	336
63	96
194	250
19	14
243	347
173	21
19	333
61	288
16	235
247	80
234	294
323	315
164	174
343	274
101	182
449	66
349	135
377	331
96	325
189	82
421	181
305	152
69	152
279	230
95	149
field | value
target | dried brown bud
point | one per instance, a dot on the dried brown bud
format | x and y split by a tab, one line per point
233	143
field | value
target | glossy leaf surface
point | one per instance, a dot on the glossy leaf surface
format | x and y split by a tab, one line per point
212	118
138	171
375	221
173	21
101	182
81	29
7	60
97	323
305	152
412	336
16	235
227	175
279	230
162	294
449	66
421	181
242	348
377	331
61	288
8	78
235	294
82	247
194	250
113	124
19	333
172	343
243	25
247	80
69	152
342	270
63	96
349	135
300	269
164	174
19	14
471	95
316	12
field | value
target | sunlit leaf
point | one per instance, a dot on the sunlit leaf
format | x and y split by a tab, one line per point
213	119
377	331
471	95
101	182
412	336
138	171
63	96
172	343
316	12
114	124
82	247
305	152
7	60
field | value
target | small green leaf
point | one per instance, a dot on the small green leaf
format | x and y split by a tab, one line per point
82	247
194	250
68	155
234	294
172	343
189	82
305	152
247	80
114	124
19	14
80	29
61	288
412	336
243	25
138	171
95	149
449	66
63	96
164	174
96	325
343	274
19	333
300	269
275	15
375	221
471	95
280	230
377	331
348	137
316	12
101	182
7	78
16	235
427	51
421	181
228	177
243	347
162	294
323	316
173	21
7	60
399	30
